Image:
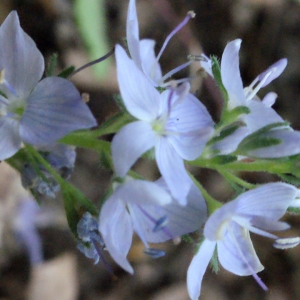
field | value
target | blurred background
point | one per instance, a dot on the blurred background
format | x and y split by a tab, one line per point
79	31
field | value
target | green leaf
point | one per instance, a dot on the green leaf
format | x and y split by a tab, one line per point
294	210
255	143
51	65
214	262
216	70
232	115
67	72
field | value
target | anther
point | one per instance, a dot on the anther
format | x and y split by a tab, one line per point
286	243
154	253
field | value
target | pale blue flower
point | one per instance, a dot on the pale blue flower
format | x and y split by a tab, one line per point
142	51
261	111
228	228
146	208
174	122
33	111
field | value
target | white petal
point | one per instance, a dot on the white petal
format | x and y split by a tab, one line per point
172	168
230	72
198	267
270	200
129	144
260	115
276	69
190	126
231	142
236	253
150	67
116	229
54	108
217	223
180	219
132	33
19	57
140	97
290	144
143	192
10	137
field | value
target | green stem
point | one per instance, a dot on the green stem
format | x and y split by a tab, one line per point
231	177
212	204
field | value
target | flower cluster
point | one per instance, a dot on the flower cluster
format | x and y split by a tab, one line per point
42	120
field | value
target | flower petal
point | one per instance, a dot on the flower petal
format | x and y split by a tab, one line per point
140	97
231	142
290	145
54	109
132	34
230	72
236	253
149	64
142	192
9	136
19	57
116	229
276	69
180	219
172	169
192	126
270	200
260	115
129	144
198	267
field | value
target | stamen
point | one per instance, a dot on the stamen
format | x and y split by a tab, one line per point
253	273
100	253
160	223
6	84
164	229
189	15
172	72
193	57
286	243
94	62
259	85
154	253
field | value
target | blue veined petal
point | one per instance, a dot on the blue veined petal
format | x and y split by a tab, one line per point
132	34
129	144
190	126
231	142
270	200
217	224
236	253
143	192
9	137
230	72
148	59
290	144
180	219
260	115
19	57
54	109
198	267
140	97
116	229
276	69
268	224
172	169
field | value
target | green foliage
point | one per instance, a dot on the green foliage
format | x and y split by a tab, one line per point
92	25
